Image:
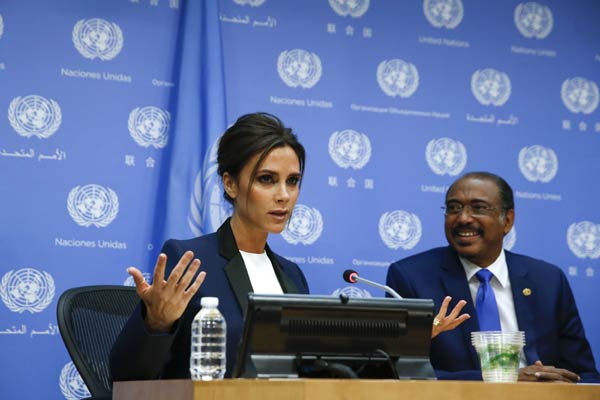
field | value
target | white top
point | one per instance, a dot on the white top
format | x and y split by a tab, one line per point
261	273
500	283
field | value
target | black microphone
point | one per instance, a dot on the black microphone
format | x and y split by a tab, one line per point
352	276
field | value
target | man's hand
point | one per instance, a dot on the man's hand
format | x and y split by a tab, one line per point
443	322
166	300
539	372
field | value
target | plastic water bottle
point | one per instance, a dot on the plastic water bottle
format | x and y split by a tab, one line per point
209	340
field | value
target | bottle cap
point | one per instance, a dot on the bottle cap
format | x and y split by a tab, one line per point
209	301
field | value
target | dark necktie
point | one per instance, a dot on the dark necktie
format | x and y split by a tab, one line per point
485	303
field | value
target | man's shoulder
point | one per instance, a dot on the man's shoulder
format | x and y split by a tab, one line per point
531	264
426	259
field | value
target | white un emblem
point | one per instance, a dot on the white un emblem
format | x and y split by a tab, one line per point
1	26
353	8
443	13
130	282
149	126
208	207
93	205
349	148
97	38
397	78
27	289
352	291
579	95
533	20
510	239
583	239
299	68
538	163
305	226
490	87
251	3
71	384
34	116
400	229
446	156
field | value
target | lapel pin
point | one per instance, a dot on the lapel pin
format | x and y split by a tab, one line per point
527	291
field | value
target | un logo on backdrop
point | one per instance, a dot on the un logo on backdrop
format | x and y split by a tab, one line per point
34	116
208	207
92	205
446	156
305	226
443	13
538	163
583	238
490	87
349	148
299	68
149	126
354	8
579	95
397	78
71	384
1	26
533	20
27	289
97	38
510	239
400	229
130	282
351	291
252	3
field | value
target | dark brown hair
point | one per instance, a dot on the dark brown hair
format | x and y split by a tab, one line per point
252	134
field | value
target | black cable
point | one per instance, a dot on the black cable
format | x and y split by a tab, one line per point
390	363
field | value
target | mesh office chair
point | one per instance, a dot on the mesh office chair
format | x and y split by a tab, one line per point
90	319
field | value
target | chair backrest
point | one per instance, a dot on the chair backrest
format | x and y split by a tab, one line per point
90	319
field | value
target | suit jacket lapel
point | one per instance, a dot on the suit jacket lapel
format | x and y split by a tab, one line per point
523	296
454	280
235	268
287	285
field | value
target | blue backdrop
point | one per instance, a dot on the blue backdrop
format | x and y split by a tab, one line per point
111	110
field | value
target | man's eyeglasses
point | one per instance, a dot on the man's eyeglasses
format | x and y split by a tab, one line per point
476	210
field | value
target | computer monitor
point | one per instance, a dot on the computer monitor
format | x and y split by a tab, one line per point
291	336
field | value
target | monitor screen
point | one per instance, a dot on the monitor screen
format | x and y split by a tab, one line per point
295	336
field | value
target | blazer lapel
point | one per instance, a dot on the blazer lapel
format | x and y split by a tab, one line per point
523	296
235	268
287	285
454	280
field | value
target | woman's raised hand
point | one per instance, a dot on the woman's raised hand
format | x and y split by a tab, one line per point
165	300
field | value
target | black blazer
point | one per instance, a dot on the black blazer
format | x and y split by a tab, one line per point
138	355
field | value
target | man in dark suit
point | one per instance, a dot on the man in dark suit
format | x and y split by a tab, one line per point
530	295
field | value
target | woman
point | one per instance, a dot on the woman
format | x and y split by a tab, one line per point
261	164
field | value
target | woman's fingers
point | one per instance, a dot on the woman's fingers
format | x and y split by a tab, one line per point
179	269
140	282
188	275
159	269
191	291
